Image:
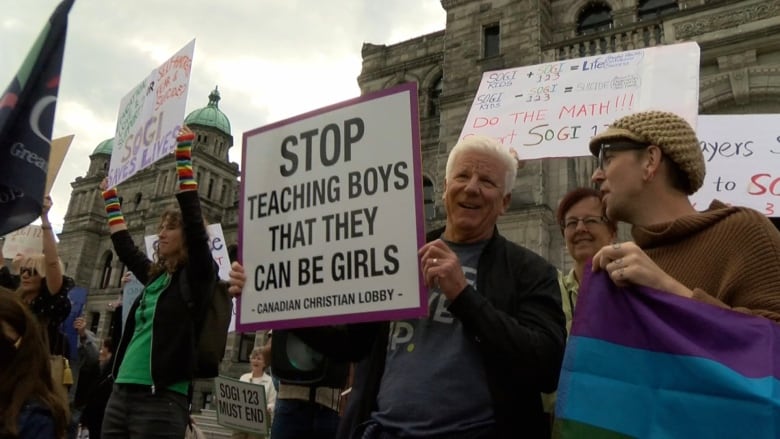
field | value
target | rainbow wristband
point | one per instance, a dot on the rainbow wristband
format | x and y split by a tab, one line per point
187	180
113	208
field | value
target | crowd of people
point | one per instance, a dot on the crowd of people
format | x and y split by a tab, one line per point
486	368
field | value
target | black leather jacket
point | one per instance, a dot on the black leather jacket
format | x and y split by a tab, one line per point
514	315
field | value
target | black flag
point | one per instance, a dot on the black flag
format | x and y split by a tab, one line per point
26	121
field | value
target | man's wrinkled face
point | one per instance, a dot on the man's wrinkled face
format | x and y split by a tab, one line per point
474	196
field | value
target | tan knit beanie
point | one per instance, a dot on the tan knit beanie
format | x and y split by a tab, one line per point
666	130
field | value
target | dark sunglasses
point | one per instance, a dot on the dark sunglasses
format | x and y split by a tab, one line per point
617	145
28	271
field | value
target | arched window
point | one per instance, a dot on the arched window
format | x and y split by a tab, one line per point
594	17
649	9
105	276
210	191
428	201
433	98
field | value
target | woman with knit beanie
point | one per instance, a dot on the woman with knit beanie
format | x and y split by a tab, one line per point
155	356
648	164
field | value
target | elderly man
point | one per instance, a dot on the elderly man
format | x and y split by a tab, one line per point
494	337
648	164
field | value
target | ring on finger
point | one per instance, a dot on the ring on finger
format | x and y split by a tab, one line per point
435	261
616	245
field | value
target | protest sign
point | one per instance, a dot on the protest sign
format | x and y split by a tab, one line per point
553	109
59	147
150	117
742	153
331	215
219	252
241	405
130	291
25	241
78	301
216	244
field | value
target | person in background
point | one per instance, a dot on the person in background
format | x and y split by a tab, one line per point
586	229
30	406
44	286
85	373
258	376
727	256
155	358
92	416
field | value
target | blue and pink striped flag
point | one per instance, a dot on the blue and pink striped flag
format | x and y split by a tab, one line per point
648	364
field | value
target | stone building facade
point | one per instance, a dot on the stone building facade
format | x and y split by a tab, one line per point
740	73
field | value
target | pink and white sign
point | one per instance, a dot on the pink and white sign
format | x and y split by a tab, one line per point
742	153
150	117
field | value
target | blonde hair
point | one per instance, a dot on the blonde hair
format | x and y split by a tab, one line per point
36	262
257	352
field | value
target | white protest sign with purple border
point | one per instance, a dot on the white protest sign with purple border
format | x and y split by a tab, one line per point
331	215
150	117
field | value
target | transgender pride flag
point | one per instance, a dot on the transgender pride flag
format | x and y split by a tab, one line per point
648	364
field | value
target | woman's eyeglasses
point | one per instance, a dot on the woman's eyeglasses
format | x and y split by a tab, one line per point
618	145
589	221
28	271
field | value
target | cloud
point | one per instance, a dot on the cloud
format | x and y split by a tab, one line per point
271	59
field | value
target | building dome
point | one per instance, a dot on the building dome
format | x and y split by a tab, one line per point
210	115
105	147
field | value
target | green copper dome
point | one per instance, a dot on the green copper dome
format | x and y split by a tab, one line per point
105	147
210	115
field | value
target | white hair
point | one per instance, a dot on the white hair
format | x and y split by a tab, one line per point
489	146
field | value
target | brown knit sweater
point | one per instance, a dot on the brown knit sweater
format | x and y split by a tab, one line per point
728	256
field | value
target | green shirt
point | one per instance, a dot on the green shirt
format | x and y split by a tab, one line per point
136	367
569	290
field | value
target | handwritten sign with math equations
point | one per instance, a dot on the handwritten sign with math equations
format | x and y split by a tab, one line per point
553	109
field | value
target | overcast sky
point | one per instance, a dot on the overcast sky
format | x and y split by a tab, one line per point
271	59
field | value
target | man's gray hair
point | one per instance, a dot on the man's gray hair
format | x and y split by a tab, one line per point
490	146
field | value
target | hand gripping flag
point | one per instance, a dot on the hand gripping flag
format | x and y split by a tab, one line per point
648	364
26	121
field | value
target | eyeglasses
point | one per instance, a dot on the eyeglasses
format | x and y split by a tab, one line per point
28	271
618	145
589	221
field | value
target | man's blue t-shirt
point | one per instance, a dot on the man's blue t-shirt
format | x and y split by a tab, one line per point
434	381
